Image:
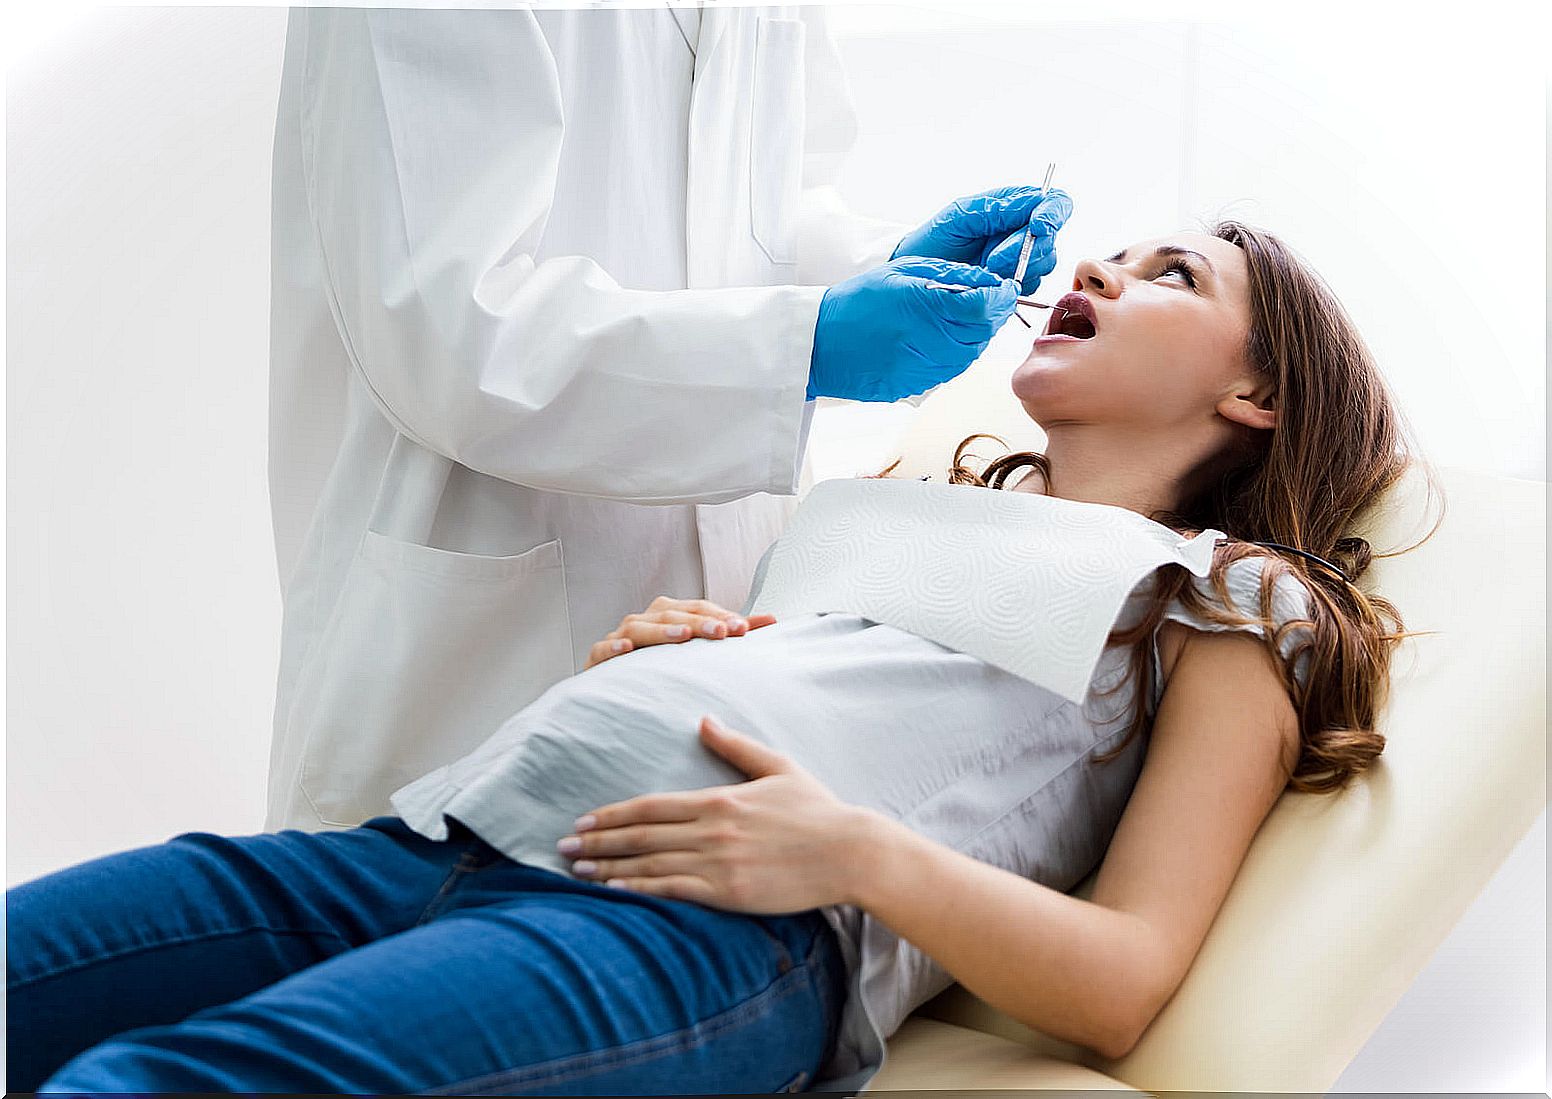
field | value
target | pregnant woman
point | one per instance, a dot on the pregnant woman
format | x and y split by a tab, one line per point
617	895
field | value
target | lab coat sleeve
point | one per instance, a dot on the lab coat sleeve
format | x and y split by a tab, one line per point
430	148
834	242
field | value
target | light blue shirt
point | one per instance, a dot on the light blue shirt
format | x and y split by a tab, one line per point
963	753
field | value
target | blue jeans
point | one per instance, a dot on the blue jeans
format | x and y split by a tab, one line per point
376	960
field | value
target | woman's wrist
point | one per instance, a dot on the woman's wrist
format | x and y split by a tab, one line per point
875	842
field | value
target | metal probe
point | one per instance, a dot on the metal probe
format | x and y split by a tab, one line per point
1023	260
1029	238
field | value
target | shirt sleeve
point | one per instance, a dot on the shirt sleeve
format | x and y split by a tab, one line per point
430	151
1290	601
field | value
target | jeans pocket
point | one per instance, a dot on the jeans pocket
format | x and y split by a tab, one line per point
783	953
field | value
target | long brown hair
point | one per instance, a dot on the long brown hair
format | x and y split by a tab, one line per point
1339	443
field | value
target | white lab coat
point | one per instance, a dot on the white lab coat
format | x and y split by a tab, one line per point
544	292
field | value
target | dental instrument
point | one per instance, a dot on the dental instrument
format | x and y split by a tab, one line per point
1023	260
1029	238
956	288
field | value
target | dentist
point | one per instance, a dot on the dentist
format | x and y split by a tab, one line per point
553	292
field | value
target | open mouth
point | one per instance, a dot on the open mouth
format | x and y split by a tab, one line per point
1073	317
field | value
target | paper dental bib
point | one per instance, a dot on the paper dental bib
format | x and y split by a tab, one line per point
1031	584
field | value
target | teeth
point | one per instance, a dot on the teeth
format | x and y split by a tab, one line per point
1071	320
1075	324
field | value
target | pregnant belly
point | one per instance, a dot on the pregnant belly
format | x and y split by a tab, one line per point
631	725
597	745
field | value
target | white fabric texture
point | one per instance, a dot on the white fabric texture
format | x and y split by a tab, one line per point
511	248
1027	582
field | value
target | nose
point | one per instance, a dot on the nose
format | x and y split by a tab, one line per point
1096	277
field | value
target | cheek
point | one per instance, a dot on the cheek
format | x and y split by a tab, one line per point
1186	364
1198	347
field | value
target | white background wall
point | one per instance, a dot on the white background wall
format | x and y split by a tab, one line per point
1405	160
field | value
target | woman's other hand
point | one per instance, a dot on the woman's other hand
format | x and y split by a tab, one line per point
777	844
668	621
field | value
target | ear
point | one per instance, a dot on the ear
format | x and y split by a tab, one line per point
1251	407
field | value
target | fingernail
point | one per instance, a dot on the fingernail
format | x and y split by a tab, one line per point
677	631
569	846
583	823
584	866
739	624
710	628
619	645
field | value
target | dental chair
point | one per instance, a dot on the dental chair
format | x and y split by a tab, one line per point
1342	898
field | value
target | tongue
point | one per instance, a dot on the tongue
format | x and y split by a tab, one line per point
1076	324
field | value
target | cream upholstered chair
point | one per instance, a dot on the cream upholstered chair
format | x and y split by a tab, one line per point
1342	898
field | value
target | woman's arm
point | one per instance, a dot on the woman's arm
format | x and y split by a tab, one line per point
1096	972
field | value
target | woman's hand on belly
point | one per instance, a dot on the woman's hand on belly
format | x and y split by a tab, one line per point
668	621
777	844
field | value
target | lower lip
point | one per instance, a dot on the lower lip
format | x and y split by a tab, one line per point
1058	338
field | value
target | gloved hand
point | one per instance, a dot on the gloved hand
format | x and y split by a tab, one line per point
886	334
987	229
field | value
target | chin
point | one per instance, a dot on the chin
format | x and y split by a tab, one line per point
1053	392
1037	380
1034	413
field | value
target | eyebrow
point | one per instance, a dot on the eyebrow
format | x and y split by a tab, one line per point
1168	250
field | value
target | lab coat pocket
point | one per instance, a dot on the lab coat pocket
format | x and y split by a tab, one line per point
776	137
428	651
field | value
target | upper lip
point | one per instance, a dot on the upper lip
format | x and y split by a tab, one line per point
1072	302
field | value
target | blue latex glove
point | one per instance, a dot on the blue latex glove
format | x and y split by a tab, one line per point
988	230
886	334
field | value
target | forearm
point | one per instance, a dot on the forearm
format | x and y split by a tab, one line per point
1072	969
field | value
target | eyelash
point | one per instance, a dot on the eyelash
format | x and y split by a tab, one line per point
1184	268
